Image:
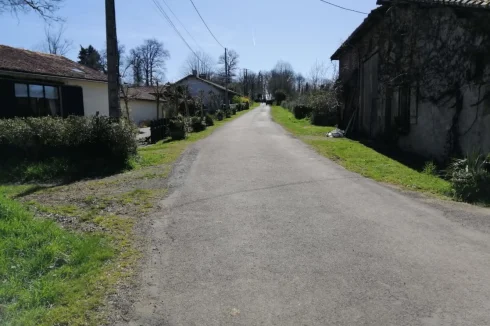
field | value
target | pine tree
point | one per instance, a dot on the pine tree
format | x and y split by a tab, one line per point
90	57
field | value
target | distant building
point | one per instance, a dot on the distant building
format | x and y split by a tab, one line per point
211	92
143	104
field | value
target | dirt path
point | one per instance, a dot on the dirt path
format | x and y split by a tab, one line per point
260	230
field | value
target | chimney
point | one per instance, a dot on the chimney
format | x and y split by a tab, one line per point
194	73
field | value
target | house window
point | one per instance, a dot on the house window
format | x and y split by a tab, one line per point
37	100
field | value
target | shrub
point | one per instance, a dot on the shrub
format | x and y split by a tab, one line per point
86	145
228	113
324	106
430	168
470	178
208	119
177	128
302	111
197	124
239	99
319	118
280	96
220	115
236	99
239	107
233	110
246	106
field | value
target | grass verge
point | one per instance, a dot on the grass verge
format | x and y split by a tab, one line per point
48	275
64	249
359	158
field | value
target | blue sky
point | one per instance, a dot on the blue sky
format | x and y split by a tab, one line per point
296	31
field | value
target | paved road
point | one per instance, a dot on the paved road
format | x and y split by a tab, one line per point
262	231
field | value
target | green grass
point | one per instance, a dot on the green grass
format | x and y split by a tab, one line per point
48	276
358	158
167	152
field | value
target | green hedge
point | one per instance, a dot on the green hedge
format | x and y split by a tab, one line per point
85	145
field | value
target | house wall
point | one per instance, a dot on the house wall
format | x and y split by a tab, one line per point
140	111
430	114
95	96
195	86
429	135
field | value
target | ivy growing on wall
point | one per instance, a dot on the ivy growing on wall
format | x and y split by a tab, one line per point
439	51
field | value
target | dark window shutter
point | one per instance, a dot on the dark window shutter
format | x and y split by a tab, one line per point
72	99
7	99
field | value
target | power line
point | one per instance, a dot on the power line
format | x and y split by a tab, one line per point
206	24
164	14
333	4
188	33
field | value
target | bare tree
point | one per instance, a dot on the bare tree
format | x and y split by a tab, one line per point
233	61
159	90
120	52
55	43
282	77
318	75
45	8
153	56
300	81
128	92
203	63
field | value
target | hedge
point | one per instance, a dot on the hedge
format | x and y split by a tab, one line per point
89	143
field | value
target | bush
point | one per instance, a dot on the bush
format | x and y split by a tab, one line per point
208	119
319	118
302	111
280	96
324	106
470	178
228	113
239	107
233	110
430	168
246	106
86	145
239	99
236	99
220	115
197	124
177	128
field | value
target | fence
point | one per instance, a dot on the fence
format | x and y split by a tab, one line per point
159	130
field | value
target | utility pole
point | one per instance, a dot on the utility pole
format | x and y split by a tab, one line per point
245	77
227	102
112	59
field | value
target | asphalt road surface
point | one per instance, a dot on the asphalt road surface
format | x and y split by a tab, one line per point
260	230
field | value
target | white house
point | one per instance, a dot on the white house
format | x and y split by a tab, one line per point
38	84
142	102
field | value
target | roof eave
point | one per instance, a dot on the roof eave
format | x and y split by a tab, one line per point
14	71
372	18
